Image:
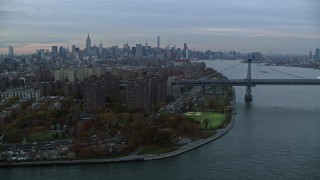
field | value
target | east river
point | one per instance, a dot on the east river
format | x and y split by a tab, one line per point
277	136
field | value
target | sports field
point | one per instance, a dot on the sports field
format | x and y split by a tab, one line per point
215	119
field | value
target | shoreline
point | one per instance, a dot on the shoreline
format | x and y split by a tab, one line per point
144	157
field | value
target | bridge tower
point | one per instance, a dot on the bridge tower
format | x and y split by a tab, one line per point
248	96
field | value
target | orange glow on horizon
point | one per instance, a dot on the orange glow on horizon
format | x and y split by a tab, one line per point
30	48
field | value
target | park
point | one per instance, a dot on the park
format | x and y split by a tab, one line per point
208	120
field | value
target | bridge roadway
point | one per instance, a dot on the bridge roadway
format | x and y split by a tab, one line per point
244	82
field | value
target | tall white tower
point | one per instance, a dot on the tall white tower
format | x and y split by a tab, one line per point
11	52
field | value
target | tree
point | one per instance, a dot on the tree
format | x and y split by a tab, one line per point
201	105
164	136
211	103
26	104
108	118
190	102
11	134
170	98
76	147
125	118
205	123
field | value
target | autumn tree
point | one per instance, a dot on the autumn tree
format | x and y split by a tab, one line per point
205	123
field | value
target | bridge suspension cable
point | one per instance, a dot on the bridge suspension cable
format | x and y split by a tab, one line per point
230	67
225	69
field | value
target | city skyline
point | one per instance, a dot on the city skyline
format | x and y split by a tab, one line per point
266	26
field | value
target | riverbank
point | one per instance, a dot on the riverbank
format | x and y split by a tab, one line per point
145	157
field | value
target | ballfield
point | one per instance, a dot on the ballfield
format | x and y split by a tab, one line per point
214	120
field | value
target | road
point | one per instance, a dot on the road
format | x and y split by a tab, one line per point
176	106
43	145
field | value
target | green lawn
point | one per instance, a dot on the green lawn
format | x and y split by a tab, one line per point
215	119
45	136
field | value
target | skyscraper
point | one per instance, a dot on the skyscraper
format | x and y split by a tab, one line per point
310	55
54	51
138	50
11	52
158	40
185	51
88	45
73	48
100	49
62	52
317	54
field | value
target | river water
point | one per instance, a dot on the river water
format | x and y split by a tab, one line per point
277	136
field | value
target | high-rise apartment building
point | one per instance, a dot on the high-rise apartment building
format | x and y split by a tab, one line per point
77	74
138	96
99	92
93	96
43	75
112	87
24	93
158	90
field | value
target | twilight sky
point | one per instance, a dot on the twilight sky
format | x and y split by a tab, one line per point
276	26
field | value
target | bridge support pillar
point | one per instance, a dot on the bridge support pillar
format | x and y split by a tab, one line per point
204	90
248	96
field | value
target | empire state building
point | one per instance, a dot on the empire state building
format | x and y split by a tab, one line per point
88	46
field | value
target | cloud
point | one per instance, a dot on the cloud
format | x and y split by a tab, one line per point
276	32
68	21
5	12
